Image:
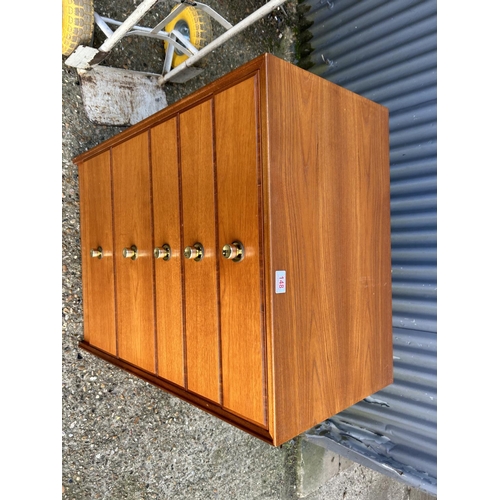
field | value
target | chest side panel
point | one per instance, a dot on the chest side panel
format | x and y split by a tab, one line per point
329	207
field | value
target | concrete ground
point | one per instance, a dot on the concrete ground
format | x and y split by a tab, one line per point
325	475
124	439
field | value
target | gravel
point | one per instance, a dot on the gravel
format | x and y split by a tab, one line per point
121	437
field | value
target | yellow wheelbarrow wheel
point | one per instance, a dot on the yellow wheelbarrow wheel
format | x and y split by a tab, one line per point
77	24
195	25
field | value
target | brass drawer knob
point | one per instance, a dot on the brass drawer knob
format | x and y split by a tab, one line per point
196	252
235	251
130	253
96	253
164	252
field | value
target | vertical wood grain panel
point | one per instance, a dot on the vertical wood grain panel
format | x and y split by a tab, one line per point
238	186
98	274
329	205
198	202
134	278
167	227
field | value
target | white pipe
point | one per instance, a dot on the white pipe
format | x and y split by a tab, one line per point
258	14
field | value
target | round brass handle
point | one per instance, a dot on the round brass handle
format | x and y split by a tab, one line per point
196	252
96	253
130	253
235	251
164	252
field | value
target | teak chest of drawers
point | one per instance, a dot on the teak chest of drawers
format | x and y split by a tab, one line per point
236	249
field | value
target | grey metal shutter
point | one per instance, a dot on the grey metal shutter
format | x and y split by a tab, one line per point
386	51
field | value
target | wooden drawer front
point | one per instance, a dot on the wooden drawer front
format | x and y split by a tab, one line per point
200	284
243	381
168	276
134	278
97	231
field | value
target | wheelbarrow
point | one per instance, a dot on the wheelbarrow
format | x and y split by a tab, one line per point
115	96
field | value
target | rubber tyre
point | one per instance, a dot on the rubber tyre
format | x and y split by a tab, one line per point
200	30
77	24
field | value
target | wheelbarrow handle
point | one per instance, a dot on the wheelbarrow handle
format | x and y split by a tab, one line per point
258	14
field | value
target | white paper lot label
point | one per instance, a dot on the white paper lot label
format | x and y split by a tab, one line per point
280	281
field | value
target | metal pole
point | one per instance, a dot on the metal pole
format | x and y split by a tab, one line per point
258	14
129	23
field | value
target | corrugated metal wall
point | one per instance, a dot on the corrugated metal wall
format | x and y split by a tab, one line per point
386	51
